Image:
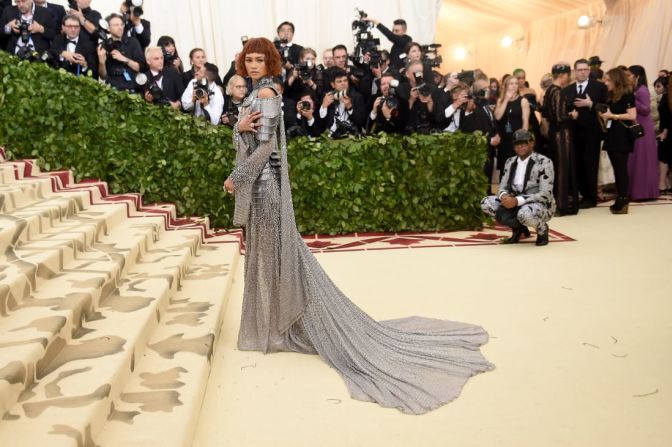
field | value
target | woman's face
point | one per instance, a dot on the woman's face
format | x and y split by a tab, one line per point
512	84
494	86
309	57
170	48
198	59
520	76
414	54
632	79
607	81
659	88
238	90
255	65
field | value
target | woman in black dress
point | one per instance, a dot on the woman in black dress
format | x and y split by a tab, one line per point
560	141
620	113
663	135
512	112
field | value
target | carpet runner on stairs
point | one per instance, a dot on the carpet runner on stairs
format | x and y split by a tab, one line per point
109	313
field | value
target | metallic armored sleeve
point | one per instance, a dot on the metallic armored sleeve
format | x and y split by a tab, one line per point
271	112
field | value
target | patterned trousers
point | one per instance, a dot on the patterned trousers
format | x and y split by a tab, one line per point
530	214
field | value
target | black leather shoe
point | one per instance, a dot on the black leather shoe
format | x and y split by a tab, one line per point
516	234
585	204
542	239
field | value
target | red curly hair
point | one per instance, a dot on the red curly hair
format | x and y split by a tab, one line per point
263	46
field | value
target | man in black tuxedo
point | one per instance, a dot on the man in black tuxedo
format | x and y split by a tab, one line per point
167	79
304	116
343	109
399	39
41	27
74	51
286	35
3	37
89	19
123	59
389	113
57	11
582	96
135	26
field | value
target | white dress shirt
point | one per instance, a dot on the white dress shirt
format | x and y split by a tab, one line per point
215	105
519	180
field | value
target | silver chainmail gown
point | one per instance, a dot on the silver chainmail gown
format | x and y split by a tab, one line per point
290	304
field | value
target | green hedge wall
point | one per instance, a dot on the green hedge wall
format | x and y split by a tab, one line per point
377	183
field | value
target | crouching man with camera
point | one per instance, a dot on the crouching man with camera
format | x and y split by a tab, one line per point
525	195
389	114
120	58
343	111
164	83
202	96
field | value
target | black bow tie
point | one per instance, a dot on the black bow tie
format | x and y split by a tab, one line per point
74	42
158	76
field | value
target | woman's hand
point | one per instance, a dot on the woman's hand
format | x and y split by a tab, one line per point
249	123
228	186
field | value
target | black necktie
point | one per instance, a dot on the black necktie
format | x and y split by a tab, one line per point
580	89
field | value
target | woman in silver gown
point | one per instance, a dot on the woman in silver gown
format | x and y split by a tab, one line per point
414	364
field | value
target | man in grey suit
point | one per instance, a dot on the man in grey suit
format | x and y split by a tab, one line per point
525	197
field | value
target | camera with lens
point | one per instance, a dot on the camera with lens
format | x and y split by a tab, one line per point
343	129
232	114
280	45
72	4
201	89
305	105
339	94
480	97
424	89
306	70
23	31
391	99
168	58
466	77
28	53
158	97
135	7
431	57
106	41
244	39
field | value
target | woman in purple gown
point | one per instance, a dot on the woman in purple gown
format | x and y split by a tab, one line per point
643	163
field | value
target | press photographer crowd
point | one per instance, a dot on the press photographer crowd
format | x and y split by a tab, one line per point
576	111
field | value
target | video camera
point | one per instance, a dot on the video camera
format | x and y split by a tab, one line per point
134	7
431	57
364	41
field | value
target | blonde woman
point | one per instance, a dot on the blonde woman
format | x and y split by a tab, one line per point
236	90
512	113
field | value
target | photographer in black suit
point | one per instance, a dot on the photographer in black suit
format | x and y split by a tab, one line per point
57	11
398	37
343	110
3	37
582	96
120	57
134	25
389	113
304	123
74	51
88	18
290	52
164	83
28	27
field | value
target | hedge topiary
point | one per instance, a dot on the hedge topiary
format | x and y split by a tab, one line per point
377	183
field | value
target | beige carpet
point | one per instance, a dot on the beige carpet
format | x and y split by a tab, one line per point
581	337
